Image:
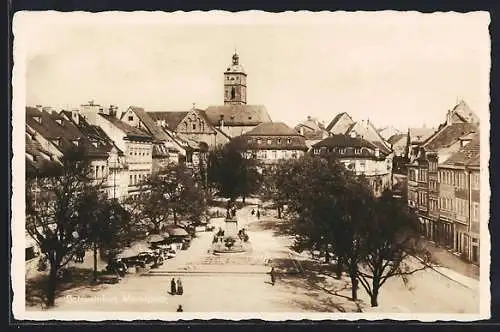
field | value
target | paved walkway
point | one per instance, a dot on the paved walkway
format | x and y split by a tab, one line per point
449	260
218	288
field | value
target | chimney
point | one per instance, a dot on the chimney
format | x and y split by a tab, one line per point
39	107
302	131
308	117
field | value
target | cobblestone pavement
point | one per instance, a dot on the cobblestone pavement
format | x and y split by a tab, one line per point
241	283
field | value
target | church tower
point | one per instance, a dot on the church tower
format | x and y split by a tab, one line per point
235	83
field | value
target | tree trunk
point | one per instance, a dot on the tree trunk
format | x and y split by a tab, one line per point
374	296
339	267
327	255
51	285
243	199
279	211
94	279
353	273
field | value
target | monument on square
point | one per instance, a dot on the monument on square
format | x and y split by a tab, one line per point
230	239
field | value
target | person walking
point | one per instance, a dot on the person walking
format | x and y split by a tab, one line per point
273	276
172	287
179	308
253	212
180	289
258	214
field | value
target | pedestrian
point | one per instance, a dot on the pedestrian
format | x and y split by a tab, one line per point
180	289
253	212
179	308
273	276
258	214
172	287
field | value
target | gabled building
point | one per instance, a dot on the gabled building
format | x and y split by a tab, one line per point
116	174
136	144
388	132
424	160
415	137
398	144
236	117
55	133
360	156
192	125
271	142
312	130
165	149
340	124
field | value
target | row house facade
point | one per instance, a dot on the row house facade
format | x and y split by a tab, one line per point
424	177
361	157
271	142
58	132
459	200
136	144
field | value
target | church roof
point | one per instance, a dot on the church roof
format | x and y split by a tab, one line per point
172	119
238	115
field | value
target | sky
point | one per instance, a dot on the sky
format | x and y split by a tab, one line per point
399	69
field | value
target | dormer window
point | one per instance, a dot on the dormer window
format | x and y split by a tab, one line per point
288	141
269	142
59	122
94	143
75	142
341	150
357	151
38	119
279	140
56	141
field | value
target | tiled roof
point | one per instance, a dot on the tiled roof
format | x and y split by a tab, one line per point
272	129
463	110
396	138
149	123
315	129
160	150
350	144
127	129
335	120
172	119
419	135
62	132
344	141
238	115
467	155
448	135
94	133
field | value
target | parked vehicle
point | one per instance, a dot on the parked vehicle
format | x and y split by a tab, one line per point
210	227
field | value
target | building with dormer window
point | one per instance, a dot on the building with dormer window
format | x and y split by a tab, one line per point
360	156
